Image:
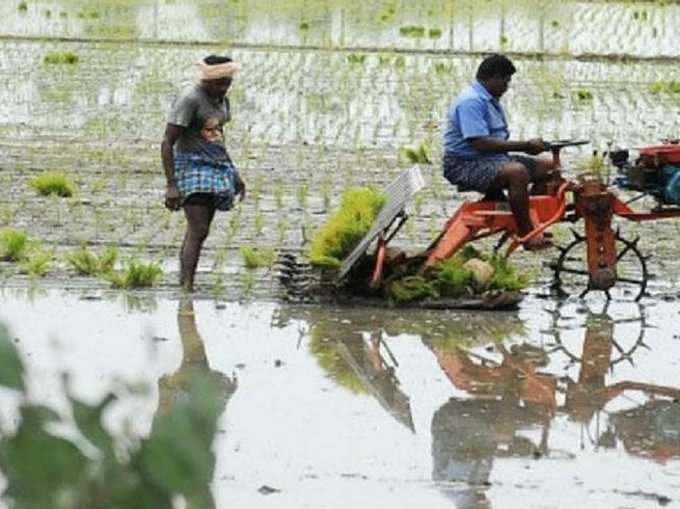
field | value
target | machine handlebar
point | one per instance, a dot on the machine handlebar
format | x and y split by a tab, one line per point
559	144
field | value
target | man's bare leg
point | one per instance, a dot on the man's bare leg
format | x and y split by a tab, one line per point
198	218
545	172
514	177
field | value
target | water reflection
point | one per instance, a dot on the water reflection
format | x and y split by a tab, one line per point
172	388
362	363
511	395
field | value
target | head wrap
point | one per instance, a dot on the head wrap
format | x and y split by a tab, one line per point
217	71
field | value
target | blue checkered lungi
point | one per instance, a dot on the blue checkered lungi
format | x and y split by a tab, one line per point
478	174
196	174
473	174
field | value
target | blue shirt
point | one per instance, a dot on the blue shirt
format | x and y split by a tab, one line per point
473	114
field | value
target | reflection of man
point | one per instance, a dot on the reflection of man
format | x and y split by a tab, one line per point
651	431
476	147
467	434
173	387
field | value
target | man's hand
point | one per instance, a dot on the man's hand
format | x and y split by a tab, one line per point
172	197
535	146
240	188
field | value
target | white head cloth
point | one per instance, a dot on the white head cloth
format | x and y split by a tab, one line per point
217	71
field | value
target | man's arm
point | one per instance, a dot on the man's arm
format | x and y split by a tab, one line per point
474	126
497	145
172	134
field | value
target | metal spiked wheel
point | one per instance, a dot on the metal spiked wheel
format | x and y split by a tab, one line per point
571	270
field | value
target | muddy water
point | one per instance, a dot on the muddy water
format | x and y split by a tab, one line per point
553	406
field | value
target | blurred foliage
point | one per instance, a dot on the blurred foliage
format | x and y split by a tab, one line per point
93	468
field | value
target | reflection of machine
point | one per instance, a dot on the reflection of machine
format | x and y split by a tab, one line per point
359	361
655	172
651	429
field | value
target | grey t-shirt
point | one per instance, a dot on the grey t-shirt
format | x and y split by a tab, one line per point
203	119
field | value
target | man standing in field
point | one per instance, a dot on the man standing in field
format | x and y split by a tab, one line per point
476	146
200	175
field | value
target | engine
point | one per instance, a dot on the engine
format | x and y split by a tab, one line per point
656	172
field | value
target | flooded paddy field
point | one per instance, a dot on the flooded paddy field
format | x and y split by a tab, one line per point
554	406
559	404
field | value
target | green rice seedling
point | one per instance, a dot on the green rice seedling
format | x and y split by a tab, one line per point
256	190
384	59
13	245
282	228
326	193
358	209
441	68
100	183
36	263
88	263
411	288
135	275
640	15
304	25
418	203
595	165
356	58
417	155
583	94
254	258
218	289
505	276
53	183
61	58
220	258
22	7
667	87
451	279
434	33
234	223
302	192
248	283
400	62
412	31
278	194
259	223
6	216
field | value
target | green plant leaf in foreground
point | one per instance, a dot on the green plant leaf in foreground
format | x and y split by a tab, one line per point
41	469
11	366
178	455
